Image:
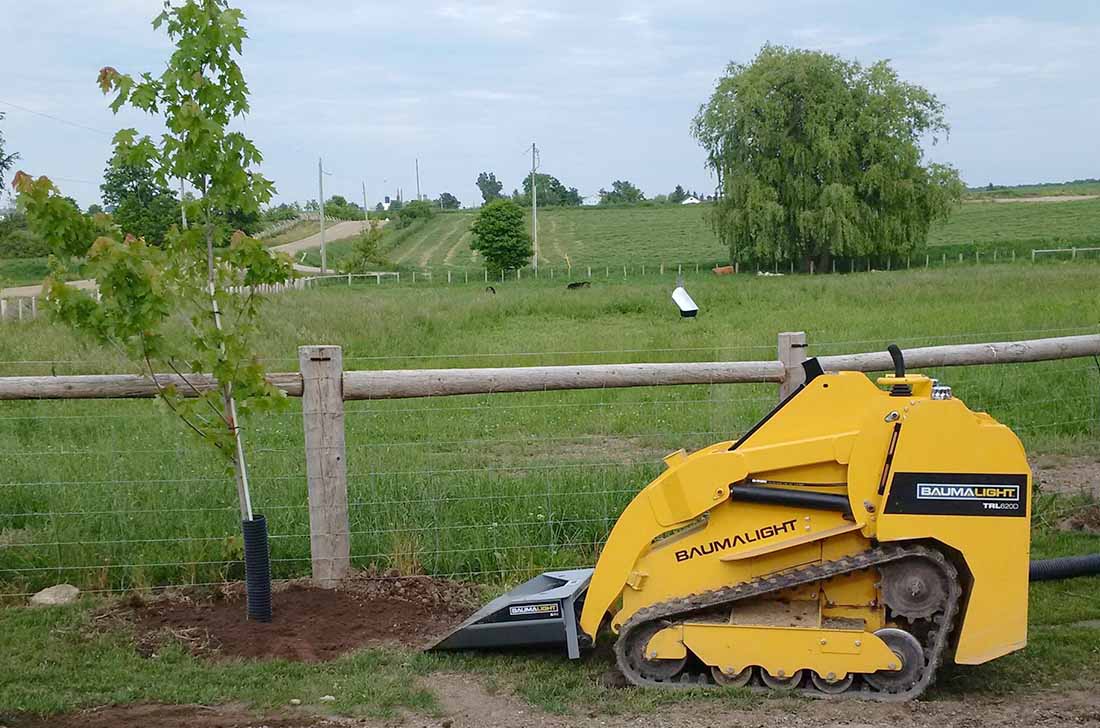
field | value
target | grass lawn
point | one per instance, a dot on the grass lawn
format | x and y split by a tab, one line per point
68	661
117	495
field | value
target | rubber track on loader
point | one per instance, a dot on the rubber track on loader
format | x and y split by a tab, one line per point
682	609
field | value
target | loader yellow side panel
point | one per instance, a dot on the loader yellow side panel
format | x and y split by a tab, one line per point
994	538
813	433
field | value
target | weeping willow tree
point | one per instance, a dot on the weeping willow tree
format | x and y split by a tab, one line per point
818	157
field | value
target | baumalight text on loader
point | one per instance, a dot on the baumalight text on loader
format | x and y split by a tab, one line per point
851	542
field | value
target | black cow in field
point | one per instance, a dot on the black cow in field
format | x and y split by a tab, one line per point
579	284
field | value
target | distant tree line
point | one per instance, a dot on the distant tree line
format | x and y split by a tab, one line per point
551	192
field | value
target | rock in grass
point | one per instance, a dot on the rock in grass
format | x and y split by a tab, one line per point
328	699
54	595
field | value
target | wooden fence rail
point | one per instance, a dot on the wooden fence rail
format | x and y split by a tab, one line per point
412	383
324	387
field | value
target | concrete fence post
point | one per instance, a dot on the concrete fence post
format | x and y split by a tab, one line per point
326	465
792	352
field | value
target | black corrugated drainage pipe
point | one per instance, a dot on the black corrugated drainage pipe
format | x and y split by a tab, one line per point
1066	567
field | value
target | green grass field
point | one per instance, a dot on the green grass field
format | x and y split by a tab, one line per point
1048	189
1043	224
115	494
22	271
69	662
673	234
606	239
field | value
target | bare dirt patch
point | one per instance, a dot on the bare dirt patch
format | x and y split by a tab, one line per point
1067	475
310	624
467	703
174	716
1085	520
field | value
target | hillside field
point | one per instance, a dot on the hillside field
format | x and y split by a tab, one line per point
674	234
1047	189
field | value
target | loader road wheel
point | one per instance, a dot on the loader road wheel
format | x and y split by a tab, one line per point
913	588
731	679
781	682
647	667
832	686
911	662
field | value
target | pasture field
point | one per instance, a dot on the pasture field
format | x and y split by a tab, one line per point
22	271
609	238
1048	189
113	495
1047	224
116	494
675	234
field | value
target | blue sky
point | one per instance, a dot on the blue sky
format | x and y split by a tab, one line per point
606	89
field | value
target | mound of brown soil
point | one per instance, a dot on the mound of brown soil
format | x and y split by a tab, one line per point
310	624
1086	519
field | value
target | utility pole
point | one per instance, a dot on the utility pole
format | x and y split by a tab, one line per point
321	204
366	217
418	178
534	208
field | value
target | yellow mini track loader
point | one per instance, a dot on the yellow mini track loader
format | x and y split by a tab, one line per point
851	542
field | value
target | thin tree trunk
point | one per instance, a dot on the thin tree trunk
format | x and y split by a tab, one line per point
240	468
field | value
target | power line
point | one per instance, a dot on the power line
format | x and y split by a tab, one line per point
57	119
72	179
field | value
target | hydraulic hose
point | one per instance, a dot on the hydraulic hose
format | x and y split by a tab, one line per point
1066	567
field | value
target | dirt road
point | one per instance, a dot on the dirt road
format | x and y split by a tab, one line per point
36	289
339	231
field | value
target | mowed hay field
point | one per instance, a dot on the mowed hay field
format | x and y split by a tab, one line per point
117	494
681	234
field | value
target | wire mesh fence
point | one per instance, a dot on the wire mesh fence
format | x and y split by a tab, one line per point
115	495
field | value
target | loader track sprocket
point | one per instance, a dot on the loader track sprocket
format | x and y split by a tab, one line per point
913	588
933	646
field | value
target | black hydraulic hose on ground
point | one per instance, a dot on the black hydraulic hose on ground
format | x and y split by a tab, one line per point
1066	567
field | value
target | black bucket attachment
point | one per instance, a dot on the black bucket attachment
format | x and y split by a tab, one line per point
542	611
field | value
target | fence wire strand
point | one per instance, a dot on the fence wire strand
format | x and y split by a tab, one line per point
112	497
